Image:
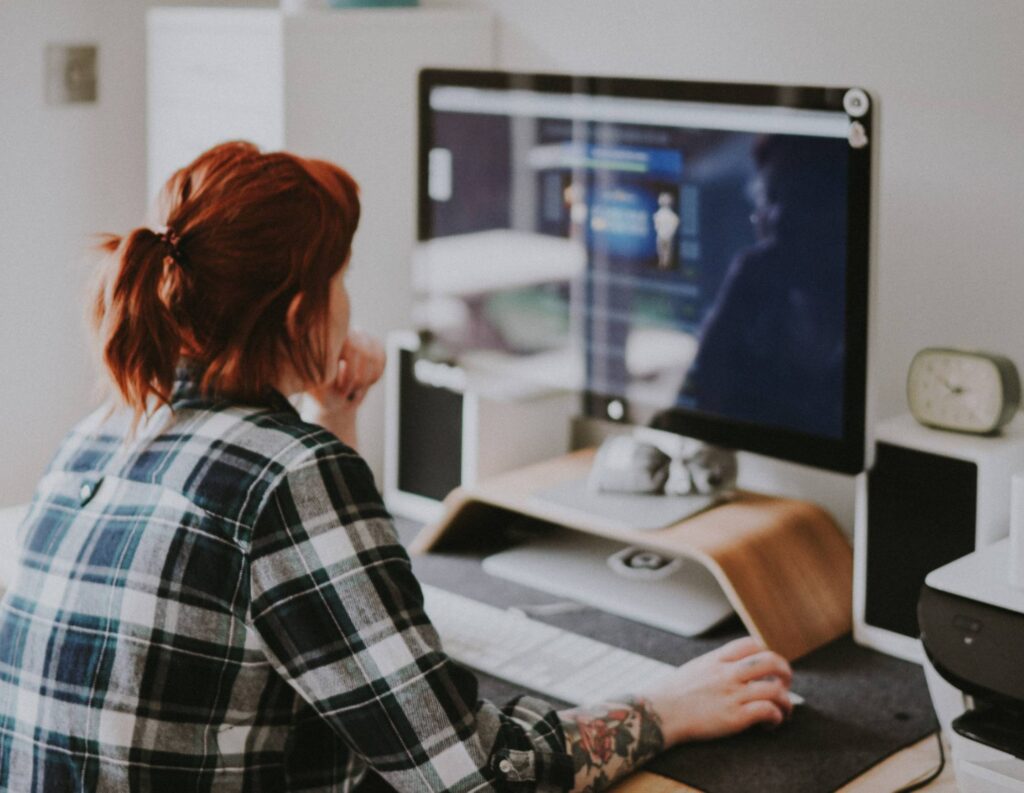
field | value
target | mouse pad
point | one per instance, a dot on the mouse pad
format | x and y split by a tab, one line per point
861	706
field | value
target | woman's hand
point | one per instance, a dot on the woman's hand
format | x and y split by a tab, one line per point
723	692
361	365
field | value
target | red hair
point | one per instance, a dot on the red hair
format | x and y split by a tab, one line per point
247	233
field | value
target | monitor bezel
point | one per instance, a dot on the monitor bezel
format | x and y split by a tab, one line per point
845	454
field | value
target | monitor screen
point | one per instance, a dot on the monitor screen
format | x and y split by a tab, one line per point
687	255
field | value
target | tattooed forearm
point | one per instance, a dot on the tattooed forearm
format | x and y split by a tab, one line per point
609	740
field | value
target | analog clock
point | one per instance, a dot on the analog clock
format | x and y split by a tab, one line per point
962	390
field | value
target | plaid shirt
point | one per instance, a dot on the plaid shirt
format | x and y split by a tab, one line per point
221	603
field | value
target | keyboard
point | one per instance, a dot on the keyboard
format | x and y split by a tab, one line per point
509	645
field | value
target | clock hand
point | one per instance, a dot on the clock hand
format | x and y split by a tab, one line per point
956	389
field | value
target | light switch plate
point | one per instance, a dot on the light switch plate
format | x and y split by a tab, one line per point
71	73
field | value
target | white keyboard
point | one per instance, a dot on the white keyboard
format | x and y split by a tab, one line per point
509	645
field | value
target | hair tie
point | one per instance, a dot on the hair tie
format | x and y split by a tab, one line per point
170	238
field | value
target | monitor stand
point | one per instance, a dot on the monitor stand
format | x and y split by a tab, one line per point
784	565
673	593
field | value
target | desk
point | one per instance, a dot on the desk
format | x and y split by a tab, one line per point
461	570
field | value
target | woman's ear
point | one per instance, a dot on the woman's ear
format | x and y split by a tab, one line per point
291	318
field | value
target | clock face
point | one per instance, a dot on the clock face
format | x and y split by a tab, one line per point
964	391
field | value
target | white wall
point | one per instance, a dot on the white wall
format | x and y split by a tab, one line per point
68	172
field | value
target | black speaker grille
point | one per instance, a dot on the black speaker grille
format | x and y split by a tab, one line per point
429	435
922	510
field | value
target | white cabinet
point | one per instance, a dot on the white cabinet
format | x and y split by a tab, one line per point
335	84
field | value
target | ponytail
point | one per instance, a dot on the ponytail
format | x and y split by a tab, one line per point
134	313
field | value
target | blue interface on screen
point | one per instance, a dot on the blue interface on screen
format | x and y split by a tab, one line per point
673	254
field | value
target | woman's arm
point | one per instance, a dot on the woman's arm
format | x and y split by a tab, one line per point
610	740
340	615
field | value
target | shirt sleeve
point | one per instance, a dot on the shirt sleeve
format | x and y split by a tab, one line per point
335	602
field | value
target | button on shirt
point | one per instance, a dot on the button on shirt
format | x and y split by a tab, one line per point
221	603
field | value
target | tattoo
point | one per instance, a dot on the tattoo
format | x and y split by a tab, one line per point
610	740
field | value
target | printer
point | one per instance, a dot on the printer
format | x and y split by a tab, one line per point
971	617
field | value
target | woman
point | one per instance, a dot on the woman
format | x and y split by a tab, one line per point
211	594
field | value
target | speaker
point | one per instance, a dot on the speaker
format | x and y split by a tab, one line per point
446	426
929	497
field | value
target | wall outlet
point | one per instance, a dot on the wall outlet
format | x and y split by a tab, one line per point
71	74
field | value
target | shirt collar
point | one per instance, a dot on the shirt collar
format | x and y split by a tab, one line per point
186	392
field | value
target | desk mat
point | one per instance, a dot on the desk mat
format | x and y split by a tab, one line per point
861	706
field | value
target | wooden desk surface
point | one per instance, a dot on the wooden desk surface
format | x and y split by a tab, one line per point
892	773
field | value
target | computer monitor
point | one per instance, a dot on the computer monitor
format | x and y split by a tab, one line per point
688	255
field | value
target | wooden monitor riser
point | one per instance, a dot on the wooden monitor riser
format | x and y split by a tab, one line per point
785	566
